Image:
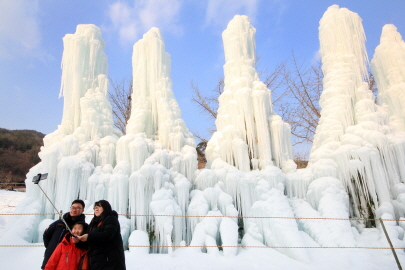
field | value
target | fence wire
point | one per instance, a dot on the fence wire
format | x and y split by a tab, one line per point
273	247
188	216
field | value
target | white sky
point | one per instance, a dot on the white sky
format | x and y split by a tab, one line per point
31	33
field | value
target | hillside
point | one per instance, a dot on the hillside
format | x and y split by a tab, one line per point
18	153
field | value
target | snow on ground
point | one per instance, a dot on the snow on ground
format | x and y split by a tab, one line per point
188	258
8	202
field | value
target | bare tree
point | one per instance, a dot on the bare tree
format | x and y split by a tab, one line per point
120	98
208	105
298	101
372	85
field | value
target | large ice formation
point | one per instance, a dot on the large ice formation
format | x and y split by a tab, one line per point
156	159
86	137
388	67
353	141
249	134
249	151
148	171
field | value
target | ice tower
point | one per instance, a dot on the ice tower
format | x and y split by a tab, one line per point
83	61
86	137
245	155
249	134
352	141
155	110
388	67
156	159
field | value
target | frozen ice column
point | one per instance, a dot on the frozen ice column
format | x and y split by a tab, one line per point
249	134
155	111
158	147
350	142
86	137
83	61
388	67
344	60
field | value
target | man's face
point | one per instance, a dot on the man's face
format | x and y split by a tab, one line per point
76	210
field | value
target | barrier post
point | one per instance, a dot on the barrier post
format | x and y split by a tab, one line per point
389	241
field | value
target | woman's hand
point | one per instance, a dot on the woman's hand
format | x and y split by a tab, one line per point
83	238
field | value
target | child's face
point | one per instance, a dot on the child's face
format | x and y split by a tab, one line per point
78	229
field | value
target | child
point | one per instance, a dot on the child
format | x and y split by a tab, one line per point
67	255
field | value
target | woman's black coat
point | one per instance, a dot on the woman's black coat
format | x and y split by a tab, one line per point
106	249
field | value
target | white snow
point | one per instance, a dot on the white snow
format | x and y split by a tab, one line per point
188	258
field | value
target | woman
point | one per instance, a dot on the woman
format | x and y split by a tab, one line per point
69	255
106	249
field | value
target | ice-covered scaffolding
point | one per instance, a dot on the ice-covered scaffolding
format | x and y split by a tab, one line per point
246	157
156	159
351	141
155	111
388	68
86	137
249	134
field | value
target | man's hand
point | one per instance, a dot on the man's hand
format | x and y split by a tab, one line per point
83	238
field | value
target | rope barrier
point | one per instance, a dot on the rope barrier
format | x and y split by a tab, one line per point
273	247
132	215
22	246
228	247
27	214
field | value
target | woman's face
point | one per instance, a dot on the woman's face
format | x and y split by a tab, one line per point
98	210
78	229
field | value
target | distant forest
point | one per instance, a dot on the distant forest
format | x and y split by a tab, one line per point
18	153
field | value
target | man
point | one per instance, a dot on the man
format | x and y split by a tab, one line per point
53	235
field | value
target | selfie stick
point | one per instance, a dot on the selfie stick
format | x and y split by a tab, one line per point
36	180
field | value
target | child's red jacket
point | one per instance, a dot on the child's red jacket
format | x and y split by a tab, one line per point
66	256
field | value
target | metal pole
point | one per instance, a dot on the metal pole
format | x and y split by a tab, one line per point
392	247
60	214
48	198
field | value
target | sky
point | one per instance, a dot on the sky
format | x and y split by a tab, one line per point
31	46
